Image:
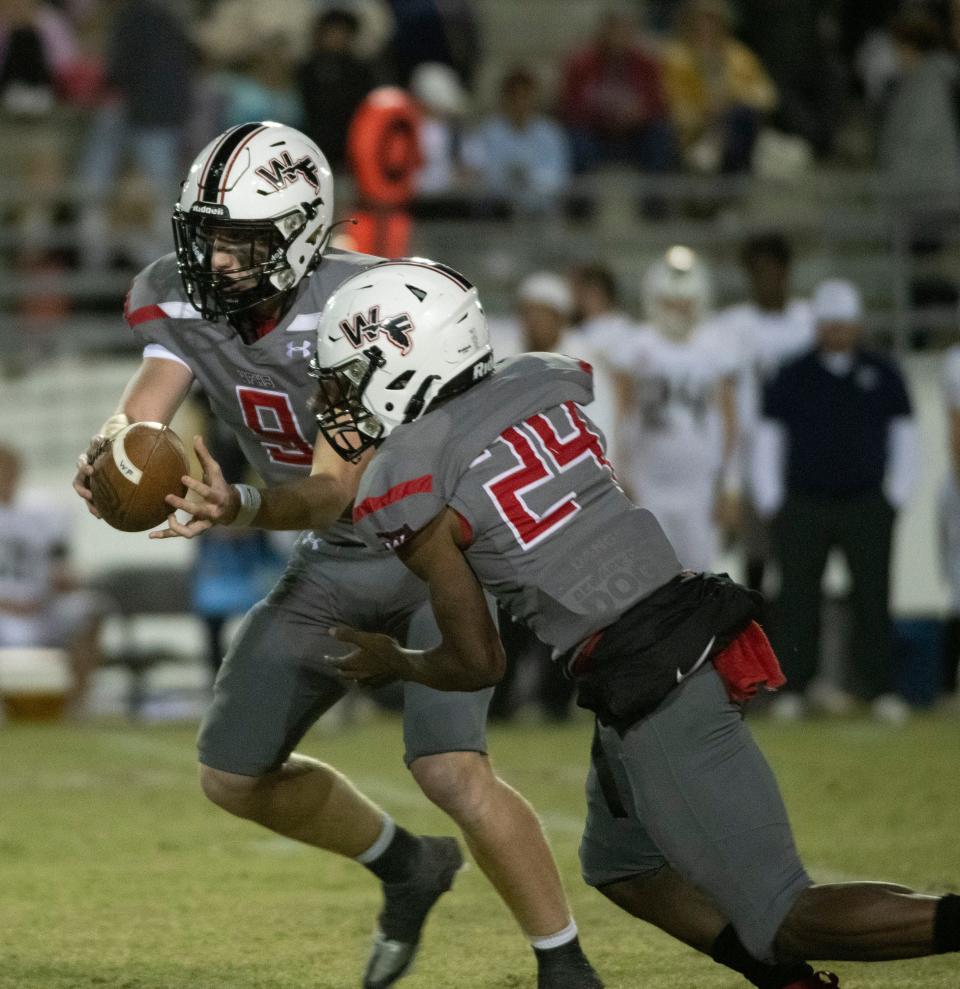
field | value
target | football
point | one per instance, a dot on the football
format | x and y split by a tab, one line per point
136	470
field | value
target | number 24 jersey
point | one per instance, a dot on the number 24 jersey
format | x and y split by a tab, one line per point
551	534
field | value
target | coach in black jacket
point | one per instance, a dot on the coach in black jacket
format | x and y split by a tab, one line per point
837	456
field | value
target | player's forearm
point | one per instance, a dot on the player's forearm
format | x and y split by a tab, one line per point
313	502
446	668
155	391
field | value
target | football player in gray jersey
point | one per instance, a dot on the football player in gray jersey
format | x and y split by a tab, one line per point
494	479
235	309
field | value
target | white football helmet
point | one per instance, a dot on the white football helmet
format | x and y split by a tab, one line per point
392	341
263	194
677	292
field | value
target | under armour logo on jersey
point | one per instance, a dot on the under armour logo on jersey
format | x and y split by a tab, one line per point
303	349
312	540
362	328
283	171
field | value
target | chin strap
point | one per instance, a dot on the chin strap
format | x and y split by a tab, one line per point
415	405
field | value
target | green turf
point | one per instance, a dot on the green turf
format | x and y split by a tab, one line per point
114	871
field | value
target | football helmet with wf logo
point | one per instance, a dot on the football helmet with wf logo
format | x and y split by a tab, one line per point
253	219
394	341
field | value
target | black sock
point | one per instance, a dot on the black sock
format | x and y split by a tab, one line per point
729	950
398	859
946	925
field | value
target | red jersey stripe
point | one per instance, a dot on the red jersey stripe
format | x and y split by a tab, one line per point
144	314
419	485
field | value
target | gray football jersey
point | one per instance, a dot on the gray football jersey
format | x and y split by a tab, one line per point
261	390
551	534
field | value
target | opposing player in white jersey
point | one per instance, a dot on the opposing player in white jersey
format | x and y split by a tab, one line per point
678	441
236	308
493	478
767	331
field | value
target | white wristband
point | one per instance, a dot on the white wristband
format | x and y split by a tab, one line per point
250	500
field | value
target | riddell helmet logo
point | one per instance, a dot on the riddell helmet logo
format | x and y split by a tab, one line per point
283	171
362	328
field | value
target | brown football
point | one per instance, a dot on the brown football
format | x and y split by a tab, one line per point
132	475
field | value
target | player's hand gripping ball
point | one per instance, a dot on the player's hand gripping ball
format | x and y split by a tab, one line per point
134	472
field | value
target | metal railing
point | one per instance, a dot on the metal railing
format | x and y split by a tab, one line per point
848	224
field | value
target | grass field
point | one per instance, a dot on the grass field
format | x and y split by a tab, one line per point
116	874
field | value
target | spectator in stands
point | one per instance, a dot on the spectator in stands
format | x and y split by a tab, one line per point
795	41
520	155
149	76
919	141
233	29
263	86
333	82
767	330
950	523
836	458
719	92
41	603
443	103
37	51
435	31
661	15
613	102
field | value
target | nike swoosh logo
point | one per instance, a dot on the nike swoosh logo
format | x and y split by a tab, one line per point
696	666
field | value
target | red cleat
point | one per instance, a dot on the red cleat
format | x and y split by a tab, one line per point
818	980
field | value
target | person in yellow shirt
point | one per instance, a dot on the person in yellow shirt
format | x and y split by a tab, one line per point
718	90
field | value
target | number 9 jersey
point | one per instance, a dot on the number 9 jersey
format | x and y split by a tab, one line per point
550	532
260	390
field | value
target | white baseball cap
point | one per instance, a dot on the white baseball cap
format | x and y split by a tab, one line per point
437	86
837	301
547	289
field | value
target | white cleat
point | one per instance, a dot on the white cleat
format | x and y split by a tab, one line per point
891	709
788	708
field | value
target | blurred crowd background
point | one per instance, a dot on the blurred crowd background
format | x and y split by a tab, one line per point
803	154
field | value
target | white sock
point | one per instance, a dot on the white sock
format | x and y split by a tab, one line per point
381	844
555	940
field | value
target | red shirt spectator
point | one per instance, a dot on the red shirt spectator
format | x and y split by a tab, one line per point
612	87
614	103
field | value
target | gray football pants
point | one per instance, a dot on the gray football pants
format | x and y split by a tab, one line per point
700	796
273	684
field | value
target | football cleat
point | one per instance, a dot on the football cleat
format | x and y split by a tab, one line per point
580	976
566	967
818	980
405	908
